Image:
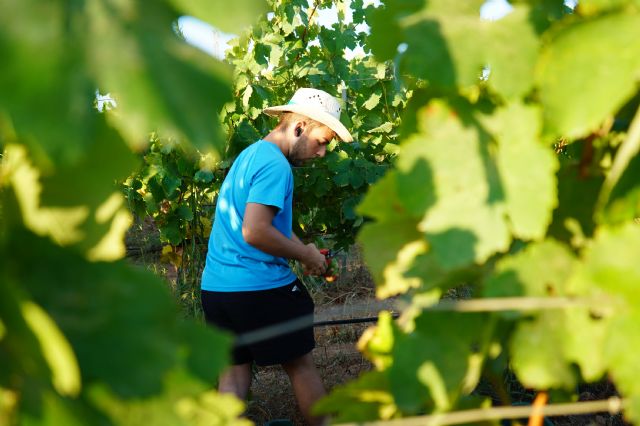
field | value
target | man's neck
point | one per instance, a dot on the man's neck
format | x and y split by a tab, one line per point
279	138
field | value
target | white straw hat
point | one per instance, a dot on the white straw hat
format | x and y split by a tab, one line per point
318	105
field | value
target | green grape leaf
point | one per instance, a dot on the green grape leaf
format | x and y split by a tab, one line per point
230	17
445	7
373	173
593	7
185	165
322	187
386	34
96	306
383	128
376	343
110	318
348	208
576	202
544	348
527	170
382	201
437	361
55	410
373	101
356	179
443	49
246	135
203	176
187	402
585	329
204	349
415	183
628	151
184	212
393	241
171	185
248	91
538	360
96	230
364	399
449	45
63	188
389	249
512	36
609	270
172	233
433	275
359	11
44	71
212	408
465	223
540	270
160	83
28	348
335	163
55	349
342	178
624	201
455	38
582	80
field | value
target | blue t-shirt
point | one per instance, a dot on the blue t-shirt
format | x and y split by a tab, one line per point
261	174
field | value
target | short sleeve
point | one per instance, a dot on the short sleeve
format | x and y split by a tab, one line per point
269	185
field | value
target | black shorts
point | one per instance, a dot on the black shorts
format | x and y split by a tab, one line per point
271	326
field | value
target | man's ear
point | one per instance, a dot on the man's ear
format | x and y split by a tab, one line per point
299	129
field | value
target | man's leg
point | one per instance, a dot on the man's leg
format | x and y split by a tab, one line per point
236	380
307	385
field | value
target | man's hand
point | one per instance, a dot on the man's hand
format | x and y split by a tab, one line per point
314	262
259	232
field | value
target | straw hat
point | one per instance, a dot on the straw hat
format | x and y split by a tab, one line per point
318	105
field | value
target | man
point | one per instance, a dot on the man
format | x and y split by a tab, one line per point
247	283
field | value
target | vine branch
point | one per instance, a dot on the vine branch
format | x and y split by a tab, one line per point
612	405
306	29
626	152
496	304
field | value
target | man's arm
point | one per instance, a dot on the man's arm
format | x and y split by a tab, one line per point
295	238
258	231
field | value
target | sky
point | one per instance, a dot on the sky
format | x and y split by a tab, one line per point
214	41
204	36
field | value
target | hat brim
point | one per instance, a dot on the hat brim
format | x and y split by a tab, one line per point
314	114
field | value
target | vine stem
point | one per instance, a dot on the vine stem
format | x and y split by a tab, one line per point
612	405
496	304
304	33
540	401
627	150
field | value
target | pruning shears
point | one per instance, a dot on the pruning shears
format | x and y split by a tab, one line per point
332	266
330	274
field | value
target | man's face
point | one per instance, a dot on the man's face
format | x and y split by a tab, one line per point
310	144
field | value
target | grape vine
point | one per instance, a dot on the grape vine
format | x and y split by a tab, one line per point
517	177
